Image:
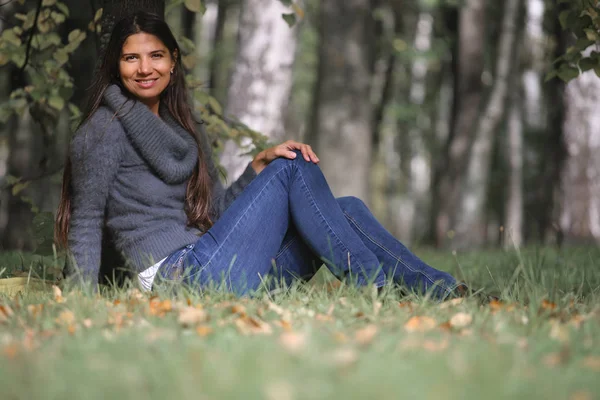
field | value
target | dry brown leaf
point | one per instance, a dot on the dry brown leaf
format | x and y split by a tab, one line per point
87	323
57	293
66	317
191	316
592	362
552	359
547	305
420	324
285	325
5	313
204	330
461	320
238	309
451	303
293	342
496	305
445	326
35	309
366	335
377	307
406	304
11	350
160	308
559	331
250	325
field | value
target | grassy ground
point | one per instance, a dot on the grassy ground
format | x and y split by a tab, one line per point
319	341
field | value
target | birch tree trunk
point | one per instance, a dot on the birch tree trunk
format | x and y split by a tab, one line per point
468	94
513	225
580	188
342	114
262	77
204	37
412	204
470	224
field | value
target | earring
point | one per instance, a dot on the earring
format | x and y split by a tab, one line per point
171	71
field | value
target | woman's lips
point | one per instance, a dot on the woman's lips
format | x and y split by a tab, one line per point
146	83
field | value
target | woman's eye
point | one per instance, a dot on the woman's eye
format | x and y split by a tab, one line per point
129	58
157	55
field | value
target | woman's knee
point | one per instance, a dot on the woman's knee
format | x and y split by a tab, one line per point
351	203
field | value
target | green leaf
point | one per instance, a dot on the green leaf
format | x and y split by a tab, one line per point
567	72
214	104
63	8
195	6
19	187
48	3
290	19
563	18
10	36
56	102
76	35
597	71
59	18
61	57
583	43
43	232
98	15
587	63
286	2
201	97
551	75
591	34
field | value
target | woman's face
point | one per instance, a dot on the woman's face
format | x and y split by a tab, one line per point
145	67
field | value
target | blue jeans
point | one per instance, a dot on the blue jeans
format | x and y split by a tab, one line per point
285	225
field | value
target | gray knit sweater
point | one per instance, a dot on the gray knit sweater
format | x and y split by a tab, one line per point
130	170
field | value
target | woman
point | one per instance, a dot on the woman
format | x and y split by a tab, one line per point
139	168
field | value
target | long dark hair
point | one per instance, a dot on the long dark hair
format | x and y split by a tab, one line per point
175	97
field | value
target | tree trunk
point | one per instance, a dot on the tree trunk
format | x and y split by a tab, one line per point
343	112
262	77
580	214
204	38
468	92
513	225
470	224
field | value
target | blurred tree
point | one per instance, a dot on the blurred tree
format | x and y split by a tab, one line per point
470	225
262	76
468	96
341	121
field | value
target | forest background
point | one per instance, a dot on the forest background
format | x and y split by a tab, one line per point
462	123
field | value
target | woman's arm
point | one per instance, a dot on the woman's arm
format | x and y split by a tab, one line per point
95	156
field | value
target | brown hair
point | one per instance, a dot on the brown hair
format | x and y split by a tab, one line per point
175	97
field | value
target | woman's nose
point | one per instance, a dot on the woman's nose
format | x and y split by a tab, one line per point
145	66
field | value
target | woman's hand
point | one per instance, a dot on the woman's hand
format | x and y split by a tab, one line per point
286	150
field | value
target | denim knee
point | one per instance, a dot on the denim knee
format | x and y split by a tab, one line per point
351	203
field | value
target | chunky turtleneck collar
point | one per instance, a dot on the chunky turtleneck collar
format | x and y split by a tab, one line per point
168	148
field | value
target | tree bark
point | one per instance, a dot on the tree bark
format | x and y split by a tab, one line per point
261	82
513	225
580	194
468	92
342	114
470	224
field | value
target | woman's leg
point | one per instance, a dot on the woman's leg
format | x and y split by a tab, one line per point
397	261
240	248
295	260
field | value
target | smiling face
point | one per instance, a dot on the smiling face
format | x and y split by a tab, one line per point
145	68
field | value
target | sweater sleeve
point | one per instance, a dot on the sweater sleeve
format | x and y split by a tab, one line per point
223	197
95	156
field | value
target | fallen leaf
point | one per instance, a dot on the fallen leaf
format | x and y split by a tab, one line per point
66	317
340	337
366	335
323	317
420	324
204	330
461	320
5	313
406	304
592	362
496	305
559	331
250	325
285	325
547	305
191	316
552	359
451	303
11	350
293	342
238	309
57	293
377	307
87	323
35	309
160	308
434	346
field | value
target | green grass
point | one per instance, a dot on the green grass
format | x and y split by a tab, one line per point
317	341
